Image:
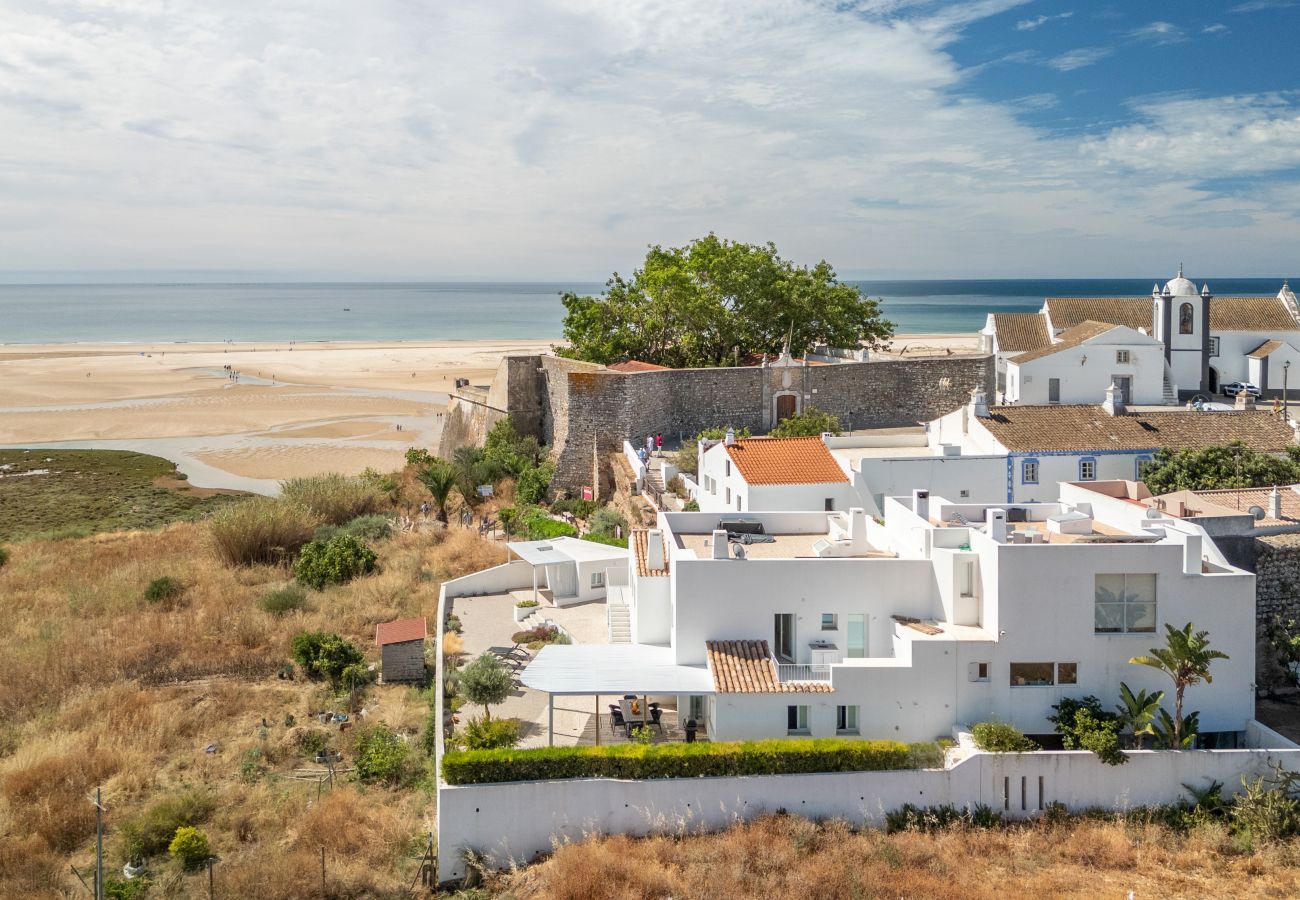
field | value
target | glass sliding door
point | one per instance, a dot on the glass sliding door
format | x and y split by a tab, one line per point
783	637
857	637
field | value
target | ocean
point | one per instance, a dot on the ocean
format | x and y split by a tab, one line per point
377	311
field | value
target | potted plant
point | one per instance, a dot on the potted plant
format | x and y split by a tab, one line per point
524	609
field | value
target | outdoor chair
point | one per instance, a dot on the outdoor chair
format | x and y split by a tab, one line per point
616	719
656	717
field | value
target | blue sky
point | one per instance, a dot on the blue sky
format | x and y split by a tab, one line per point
554	139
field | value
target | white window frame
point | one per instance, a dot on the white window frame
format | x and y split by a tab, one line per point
834	622
598	578
799	714
1123	357
1088	469
846	719
1123	602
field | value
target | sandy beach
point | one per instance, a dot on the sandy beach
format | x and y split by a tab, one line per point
294	409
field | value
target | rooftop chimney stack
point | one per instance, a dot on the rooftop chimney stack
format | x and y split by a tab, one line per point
654	550
979	404
1244	400
1275	503
858	528
921	503
997	525
1192	554
730	438
720	544
1114	404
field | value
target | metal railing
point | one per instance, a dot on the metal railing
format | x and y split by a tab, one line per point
801	672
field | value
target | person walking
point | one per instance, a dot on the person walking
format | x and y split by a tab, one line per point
659	443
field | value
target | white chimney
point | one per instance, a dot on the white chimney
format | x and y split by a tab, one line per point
979	404
921	503
997	524
1275	503
1114	404
720	544
1192	554
1244	400
858	529
730	438
654	550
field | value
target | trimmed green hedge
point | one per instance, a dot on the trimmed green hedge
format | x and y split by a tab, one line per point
700	760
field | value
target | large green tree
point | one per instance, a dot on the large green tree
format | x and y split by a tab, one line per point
1232	465
714	301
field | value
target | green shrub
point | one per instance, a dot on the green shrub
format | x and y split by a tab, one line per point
333	499
491	734
122	889
164	590
381	756
580	508
282	600
691	506
636	761
260	530
809	423
486	681
606	539
336	562
539	526
190	846
324	655
369	528
1083	724
687	458
607	520
999	737
150	832
526	604
938	818
533	482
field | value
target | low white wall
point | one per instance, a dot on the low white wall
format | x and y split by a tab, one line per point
486	818
638	467
510	576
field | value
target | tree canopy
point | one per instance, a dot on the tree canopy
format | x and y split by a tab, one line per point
811	422
1229	466
713	302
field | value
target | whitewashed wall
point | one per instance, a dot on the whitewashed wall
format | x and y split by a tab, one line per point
1085	371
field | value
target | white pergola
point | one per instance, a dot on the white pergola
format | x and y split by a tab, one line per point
561	551
570	670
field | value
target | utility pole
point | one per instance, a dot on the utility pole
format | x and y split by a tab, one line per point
322	873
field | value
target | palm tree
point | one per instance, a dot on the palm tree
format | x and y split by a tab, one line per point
439	476
1138	711
1185	658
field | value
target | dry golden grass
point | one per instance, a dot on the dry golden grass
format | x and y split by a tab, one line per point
791	857
100	687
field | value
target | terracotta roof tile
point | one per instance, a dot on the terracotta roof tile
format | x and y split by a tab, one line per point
802	460
639	538
1226	313
400	631
1071	337
1242	499
1018	332
1265	349
635	365
1084	428
746	667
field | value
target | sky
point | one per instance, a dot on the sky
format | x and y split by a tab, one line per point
556	139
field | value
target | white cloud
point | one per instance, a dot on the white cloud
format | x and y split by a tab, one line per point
1159	33
1078	59
1216	28
1039	21
546	139
1262	5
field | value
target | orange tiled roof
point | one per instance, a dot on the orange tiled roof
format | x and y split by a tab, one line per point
640	552
1067	312
1250	314
400	631
1085	428
635	365
801	460
1018	332
745	667
1226	313
1071	337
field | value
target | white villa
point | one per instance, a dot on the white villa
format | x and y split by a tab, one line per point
947	614
1206	341
771	473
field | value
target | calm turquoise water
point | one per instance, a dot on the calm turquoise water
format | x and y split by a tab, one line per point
441	311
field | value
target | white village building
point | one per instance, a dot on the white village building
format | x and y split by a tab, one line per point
1207	341
947	614
771	473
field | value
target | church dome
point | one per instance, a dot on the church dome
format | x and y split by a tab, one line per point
1180	286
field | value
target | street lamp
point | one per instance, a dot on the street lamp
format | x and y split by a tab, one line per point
1285	367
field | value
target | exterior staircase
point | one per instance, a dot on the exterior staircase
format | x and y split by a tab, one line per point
1170	397
619	621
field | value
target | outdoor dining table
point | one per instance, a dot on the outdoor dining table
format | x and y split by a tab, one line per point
635	718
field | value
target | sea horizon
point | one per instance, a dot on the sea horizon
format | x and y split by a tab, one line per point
403	311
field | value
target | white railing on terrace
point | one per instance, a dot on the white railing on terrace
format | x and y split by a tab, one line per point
801	672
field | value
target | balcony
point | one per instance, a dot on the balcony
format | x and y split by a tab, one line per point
794	672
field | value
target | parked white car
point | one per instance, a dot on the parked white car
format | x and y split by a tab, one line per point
1233	388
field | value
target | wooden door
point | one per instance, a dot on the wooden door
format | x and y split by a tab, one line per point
785	407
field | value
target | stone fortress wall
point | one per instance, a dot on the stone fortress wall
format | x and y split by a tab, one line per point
584	411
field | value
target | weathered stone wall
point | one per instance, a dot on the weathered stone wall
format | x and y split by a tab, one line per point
1277	577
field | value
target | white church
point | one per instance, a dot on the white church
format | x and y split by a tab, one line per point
1178	343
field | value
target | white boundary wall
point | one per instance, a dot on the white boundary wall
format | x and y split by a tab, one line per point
513	823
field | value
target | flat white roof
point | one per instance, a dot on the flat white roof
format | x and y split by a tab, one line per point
564	549
613	669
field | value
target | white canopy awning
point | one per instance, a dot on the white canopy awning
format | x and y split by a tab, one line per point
564	550
575	669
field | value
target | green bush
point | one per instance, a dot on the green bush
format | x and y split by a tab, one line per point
580	508
149	833
333	499
122	889
938	818
486	681
381	756
190	846
369	528
260	530
999	737
282	600
691	506
324	655
1083	724
687	458
527	604
606	521
539	526
491	734
336	562
636	761
606	539
533	482
809	423
164	590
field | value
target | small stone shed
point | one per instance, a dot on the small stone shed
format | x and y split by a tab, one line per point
401	649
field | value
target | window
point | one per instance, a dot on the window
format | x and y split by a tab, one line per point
966	578
830	622
1121	356
846	720
1143	463
737	503
1032	674
1029	472
796	719
1185	319
1087	469
1125	604
964	493
728	496
727	471
1067	673
830	504
856	626
1214	346
979	671
598	579
1053	390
